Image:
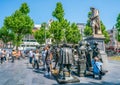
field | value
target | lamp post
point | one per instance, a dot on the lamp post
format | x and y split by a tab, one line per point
45	33
64	36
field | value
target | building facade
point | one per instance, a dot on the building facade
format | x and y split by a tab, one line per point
113	39
81	27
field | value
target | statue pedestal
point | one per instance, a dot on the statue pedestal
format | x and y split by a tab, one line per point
99	38
67	79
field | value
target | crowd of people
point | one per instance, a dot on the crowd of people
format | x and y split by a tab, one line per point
36	57
6	55
43	58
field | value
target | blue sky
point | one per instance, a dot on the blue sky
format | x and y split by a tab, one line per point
75	10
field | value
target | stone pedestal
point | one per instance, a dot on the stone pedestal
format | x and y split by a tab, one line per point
99	39
101	45
67	79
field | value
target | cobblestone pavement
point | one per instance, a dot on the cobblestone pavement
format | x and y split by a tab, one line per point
21	73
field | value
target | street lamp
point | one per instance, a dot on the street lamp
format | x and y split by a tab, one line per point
45	32
65	41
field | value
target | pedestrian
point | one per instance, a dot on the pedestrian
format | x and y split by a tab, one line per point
30	56
18	55
43	57
4	55
13	55
48	59
36	59
97	67
7	55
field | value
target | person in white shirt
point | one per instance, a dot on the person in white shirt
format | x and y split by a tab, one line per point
43	57
30	56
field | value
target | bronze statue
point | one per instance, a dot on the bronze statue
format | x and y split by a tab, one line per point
89	55
65	60
95	21
96	50
82	59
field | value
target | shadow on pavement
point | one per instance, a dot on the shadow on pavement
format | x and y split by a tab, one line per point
39	71
29	68
49	77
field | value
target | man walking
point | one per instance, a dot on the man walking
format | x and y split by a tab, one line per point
30	56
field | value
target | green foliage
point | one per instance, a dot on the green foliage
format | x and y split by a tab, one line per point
88	28
19	23
6	35
24	8
104	32
61	29
58	13
42	33
118	27
56	31
72	34
103	28
106	35
88	31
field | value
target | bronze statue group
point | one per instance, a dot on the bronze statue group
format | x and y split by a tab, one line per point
66	60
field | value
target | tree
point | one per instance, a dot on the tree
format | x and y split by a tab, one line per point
88	31
24	8
107	37
6	35
42	34
20	23
88	28
56	27
73	34
56	31
58	13
61	29
118	27
104	32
